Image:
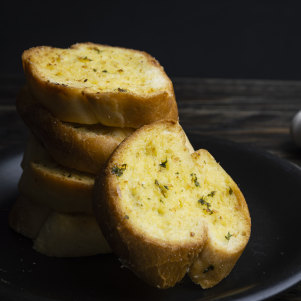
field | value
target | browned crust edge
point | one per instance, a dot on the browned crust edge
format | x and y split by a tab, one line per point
54	191
220	260
63	142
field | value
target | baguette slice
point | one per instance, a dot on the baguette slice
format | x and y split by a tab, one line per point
92	83
163	209
57	234
81	147
27	218
46	183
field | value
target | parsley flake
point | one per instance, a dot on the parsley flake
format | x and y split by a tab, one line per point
163	164
195	179
118	171
228	236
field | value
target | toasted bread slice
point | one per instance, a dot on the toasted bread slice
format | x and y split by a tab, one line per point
163	209
27	218
81	147
57	234
228	222
91	83
70	235
46	183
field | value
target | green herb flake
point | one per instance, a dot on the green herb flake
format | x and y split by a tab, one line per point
195	179
207	204
163	164
96	49
95	70
163	188
228	236
121	90
104	71
84	59
118	171
126	217
209	268
212	193
230	190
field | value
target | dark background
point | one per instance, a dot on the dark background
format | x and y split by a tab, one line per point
222	39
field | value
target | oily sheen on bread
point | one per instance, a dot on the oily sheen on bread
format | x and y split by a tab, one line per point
81	147
45	182
165	211
92	83
57	234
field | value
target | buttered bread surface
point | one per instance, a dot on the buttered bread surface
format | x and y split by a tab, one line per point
160	182
92	83
156	192
100	69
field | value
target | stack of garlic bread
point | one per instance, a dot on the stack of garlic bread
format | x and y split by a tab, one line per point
108	167
79	104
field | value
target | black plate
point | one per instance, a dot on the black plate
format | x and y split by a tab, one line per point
270	263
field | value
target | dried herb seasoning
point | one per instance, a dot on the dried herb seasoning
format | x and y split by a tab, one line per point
207	204
195	179
212	193
228	236
121	90
118	170
163	188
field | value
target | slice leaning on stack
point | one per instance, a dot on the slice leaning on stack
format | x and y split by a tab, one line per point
92	83
165	211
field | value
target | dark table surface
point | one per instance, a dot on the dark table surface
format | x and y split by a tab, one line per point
256	112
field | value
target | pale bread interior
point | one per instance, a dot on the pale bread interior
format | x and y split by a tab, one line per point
99	68
166	192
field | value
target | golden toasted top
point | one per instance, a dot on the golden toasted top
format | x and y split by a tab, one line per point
99	68
166	191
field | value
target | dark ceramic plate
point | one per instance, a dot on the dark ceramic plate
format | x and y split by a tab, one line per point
270	264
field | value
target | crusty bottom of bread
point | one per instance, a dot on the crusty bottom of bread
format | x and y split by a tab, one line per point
57	234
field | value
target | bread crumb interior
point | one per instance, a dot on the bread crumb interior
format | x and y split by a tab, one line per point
168	193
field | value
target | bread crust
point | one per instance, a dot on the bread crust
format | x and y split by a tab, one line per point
160	263
117	109
70	235
48	184
84	149
57	234
27	218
